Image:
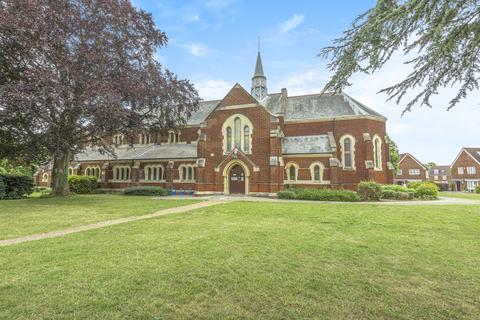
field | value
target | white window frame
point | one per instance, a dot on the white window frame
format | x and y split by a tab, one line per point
173	136
160	172
312	171
471	170
352	151
414	172
399	172
377	166
460	170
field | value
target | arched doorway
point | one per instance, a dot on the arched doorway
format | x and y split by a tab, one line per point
237	180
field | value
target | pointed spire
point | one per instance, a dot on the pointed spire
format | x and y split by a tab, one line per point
259	81
259	67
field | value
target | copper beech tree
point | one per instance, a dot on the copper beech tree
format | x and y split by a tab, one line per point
75	72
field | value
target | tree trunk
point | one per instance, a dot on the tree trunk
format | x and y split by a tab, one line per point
60	174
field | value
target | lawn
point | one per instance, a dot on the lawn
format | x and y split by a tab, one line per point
462	195
35	215
255	260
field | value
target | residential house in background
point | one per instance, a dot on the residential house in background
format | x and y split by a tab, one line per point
441	176
410	170
250	143
465	169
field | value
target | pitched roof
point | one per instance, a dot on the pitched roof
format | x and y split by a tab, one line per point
403	155
163	151
441	169
303	107
306	144
474	153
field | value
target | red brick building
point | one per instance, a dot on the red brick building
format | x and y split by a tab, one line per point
465	169
410	170
441	176
252	143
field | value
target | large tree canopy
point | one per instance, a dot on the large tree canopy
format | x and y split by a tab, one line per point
75	72
442	35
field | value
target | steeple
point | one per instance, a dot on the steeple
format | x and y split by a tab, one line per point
259	81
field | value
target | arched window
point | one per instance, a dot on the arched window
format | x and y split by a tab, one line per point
238	133
45	177
121	173
118	139
92	172
291	170
173	136
316	171
187	172
153	172
144	138
292	173
377	152
229	139
347	145
70	171
246	138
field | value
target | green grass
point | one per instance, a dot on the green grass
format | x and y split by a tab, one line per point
255	261
461	195
36	215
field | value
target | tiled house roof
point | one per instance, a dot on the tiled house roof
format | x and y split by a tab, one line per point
474	152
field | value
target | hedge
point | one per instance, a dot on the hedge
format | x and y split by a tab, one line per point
477	189
397	192
369	191
319	195
82	184
15	186
427	191
146	191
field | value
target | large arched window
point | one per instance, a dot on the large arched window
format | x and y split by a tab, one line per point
45	177
377	152
291	169
347	146
237	132
229	139
316	171
144	138
118	139
246	138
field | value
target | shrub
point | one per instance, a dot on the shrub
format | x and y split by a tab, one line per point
390	194
82	184
287	194
395	187
146	191
397	192
15	186
477	189
404	196
319	195
369	191
427	190
414	184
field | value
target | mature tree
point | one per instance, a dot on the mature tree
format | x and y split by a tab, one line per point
75	72
442	35
394	153
430	165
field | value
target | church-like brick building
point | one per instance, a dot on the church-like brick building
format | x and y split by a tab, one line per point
252	143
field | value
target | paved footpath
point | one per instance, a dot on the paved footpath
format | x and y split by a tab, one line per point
102	224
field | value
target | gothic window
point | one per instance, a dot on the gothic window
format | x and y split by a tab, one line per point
45	177
377	152
70	171
246	139
238	133
347	145
173	136
229	139
118	139
187	172
121	173
292	171
92	172
153	172
144	138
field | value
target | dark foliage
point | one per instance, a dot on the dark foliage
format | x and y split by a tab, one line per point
369	191
15	186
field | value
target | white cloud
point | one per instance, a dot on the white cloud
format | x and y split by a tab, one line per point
210	89
291	23
196	49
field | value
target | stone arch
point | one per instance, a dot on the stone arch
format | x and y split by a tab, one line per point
226	175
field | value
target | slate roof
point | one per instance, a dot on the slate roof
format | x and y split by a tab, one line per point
442	170
258	67
306	144
474	152
304	107
164	151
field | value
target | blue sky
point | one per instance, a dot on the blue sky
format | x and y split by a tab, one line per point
214	43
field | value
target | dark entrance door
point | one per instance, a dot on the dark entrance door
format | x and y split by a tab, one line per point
237	180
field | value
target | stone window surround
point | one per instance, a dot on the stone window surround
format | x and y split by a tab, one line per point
160	169
230	122
312	171
352	151
378	167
